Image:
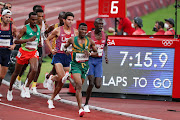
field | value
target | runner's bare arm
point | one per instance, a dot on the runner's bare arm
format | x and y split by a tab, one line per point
21	33
106	49
93	46
50	28
69	42
50	37
14	33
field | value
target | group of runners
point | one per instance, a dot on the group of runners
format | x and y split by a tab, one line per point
75	53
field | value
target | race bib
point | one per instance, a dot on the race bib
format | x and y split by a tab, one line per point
80	57
68	48
100	52
5	42
31	45
19	54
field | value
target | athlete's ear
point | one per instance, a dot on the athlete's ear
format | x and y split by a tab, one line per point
64	20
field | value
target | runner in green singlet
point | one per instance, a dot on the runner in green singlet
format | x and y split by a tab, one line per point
28	37
79	64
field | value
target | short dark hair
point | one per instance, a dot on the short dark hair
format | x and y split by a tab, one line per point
34	8
68	14
6	4
62	13
97	19
160	23
39	10
82	24
32	13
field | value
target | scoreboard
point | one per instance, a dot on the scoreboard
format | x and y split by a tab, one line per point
141	65
112	8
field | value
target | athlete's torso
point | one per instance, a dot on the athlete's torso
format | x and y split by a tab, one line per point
31	46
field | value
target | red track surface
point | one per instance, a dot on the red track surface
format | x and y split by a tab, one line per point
21	9
39	104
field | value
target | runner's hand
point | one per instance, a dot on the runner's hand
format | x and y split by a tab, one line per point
106	60
32	38
86	53
54	51
11	47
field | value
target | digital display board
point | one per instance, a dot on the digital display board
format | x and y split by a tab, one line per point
112	8
138	70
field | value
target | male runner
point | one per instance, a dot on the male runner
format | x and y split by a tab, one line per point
95	60
50	29
43	27
30	35
18	79
7	32
79	65
61	60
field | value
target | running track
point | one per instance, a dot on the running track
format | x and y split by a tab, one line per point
21	9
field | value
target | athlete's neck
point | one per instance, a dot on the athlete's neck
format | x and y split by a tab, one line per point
65	27
97	31
5	24
81	38
32	26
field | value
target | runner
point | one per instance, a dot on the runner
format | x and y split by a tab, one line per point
18	79
79	64
61	60
50	29
43	27
30	35
7	32
95	73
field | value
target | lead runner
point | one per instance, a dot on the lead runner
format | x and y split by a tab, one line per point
79	64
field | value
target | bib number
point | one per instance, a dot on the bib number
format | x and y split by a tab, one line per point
19	54
80	57
31	45
5	42
100	52
68	48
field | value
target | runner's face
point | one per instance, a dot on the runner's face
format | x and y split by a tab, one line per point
82	31
8	6
33	20
99	25
6	18
40	16
68	22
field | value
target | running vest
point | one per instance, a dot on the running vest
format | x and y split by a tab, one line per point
78	50
62	39
31	46
6	38
99	43
54	39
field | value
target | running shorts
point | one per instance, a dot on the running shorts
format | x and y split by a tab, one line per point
62	58
81	68
23	56
5	56
95	67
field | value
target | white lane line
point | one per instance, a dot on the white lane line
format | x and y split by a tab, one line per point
136	2
54	2
35	111
54	10
93	107
75	12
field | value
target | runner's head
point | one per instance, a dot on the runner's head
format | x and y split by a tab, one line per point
98	23
33	18
68	19
82	30
40	14
36	7
6	16
8	6
60	17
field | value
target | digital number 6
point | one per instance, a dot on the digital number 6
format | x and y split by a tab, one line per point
114	9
